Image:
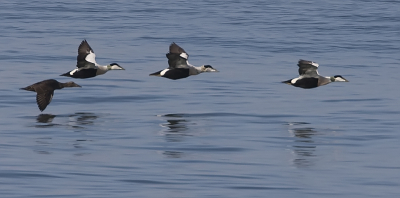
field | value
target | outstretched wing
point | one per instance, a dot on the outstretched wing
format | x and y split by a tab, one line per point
43	99
308	68
86	57
42	86
177	57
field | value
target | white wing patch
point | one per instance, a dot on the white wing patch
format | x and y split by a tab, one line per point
73	71
314	64
294	80
163	72
91	57
184	55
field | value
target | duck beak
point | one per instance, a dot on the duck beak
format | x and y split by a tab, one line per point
115	67
210	70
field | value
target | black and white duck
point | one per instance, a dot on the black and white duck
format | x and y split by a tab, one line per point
86	64
309	77
179	66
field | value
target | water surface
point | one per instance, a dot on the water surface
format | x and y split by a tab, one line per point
236	133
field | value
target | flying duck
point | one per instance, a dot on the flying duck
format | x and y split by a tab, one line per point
179	66
86	64
45	91
309	77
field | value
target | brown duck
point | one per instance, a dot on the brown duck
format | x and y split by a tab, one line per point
45	91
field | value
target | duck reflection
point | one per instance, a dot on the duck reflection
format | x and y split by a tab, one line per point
172	154
176	126
44	121
176	130
45	118
304	146
79	120
76	120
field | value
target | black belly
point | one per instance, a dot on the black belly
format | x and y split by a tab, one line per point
306	83
85	73
175	74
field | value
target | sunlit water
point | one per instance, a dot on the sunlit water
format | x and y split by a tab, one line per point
236	133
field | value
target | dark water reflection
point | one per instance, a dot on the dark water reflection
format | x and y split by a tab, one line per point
75	120
304	146
45	118
173	154
176	126
80	119
176	129
45	121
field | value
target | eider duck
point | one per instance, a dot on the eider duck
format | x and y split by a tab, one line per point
309	77
45	91
86	64
179	66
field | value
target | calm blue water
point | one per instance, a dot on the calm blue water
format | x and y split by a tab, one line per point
236	133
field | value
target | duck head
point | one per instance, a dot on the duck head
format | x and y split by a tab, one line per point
338	78
208	68
114	66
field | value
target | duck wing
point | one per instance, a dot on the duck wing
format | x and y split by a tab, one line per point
177	57
43	99
49	84
86	57
308	68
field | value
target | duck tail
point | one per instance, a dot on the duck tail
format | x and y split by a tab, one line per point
28	88
66	74
289	82
156	73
